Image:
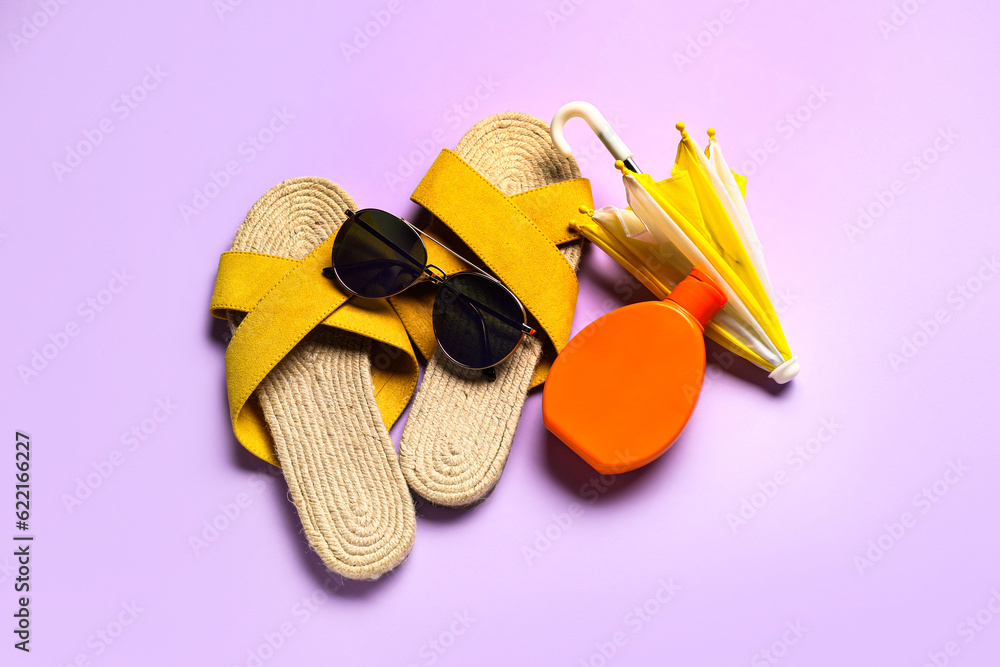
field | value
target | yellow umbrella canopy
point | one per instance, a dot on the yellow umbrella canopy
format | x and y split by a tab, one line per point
696	218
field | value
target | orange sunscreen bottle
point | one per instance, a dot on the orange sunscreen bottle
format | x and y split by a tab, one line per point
622	390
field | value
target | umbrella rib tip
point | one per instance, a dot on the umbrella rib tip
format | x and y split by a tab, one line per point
680	128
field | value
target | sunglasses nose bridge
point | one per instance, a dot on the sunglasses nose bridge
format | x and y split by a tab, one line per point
435	274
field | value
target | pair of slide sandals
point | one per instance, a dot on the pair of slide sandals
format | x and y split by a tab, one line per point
315	376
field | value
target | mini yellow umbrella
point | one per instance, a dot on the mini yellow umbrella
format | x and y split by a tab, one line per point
697	218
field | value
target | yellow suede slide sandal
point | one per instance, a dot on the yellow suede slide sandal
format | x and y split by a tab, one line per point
507	194
315	378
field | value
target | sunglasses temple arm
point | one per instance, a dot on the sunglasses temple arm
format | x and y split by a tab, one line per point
482	326
375	262
447	249
500	316
522	326
381	237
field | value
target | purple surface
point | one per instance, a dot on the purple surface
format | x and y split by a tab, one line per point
648	570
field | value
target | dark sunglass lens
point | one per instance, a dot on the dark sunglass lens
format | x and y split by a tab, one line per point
377	255
477	321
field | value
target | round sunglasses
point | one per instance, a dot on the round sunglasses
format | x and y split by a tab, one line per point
477	321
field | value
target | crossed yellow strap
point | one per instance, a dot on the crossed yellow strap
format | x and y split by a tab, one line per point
284	299
514	236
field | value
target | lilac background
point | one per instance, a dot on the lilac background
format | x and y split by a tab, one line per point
850	300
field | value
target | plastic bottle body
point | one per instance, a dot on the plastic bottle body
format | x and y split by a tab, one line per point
623	389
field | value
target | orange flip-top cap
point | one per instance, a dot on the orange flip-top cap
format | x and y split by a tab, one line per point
700	296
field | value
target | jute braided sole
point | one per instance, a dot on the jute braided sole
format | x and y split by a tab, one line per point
461	425
319	404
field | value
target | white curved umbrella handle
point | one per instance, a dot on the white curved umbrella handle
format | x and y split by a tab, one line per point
598	124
